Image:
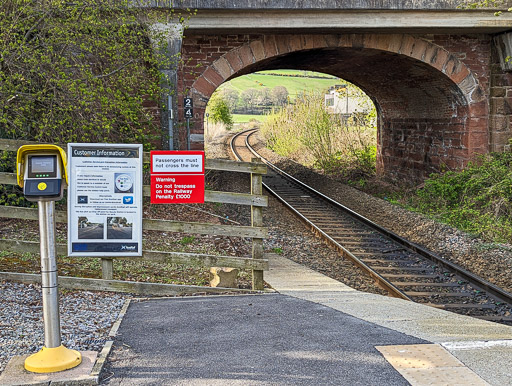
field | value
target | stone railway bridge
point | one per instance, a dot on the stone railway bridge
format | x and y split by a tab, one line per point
435	72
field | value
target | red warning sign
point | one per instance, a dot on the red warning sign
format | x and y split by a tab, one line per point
177	177
177	189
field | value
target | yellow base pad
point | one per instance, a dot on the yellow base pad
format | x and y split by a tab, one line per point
50	360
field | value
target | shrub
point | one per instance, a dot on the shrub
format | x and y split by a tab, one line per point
77	71
307	133
477	199
219	111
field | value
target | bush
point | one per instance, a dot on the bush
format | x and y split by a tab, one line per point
9	194
307	133
477	199
219	111
76	71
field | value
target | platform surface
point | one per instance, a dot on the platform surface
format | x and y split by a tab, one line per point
316	331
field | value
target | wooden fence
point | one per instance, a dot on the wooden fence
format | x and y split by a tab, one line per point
256	231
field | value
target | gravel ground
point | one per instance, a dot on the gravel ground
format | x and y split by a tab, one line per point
86	319
491	261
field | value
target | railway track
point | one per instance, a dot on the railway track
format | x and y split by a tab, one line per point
402	268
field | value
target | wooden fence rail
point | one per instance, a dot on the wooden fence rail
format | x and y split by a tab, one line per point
256	231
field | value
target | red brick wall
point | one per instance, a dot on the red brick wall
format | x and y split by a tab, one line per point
500	114
431	91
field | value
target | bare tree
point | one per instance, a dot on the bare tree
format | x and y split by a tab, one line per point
231	96
279	95
249	98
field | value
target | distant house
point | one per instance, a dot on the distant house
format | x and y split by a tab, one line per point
338	101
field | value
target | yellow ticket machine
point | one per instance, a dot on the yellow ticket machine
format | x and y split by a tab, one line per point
41	172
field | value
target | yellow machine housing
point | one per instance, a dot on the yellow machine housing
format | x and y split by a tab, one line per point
41	170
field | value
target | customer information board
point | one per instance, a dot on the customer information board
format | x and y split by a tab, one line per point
105	199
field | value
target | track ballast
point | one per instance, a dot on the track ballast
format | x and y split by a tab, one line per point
404	269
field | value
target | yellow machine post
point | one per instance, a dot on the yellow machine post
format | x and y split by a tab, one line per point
50	360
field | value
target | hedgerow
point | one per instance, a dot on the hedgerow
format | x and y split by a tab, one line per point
477	199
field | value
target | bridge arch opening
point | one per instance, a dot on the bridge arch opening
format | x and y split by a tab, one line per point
296	110
430	105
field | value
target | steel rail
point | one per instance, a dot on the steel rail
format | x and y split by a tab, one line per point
382	282
475	281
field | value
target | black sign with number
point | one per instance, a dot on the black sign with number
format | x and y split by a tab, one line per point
188	107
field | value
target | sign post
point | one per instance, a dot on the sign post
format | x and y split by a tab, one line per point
188	110
177	177
105	200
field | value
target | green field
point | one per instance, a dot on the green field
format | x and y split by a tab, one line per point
243	118
295	85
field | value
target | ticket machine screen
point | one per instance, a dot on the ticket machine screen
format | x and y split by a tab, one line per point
42	166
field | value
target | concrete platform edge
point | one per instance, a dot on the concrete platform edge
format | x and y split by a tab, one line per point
484	347
104	353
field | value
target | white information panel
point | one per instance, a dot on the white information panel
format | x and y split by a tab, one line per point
104	199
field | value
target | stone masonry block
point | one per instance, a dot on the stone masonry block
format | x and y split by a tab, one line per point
282	44
499	106
395	42
407	45
269	43
478	94
345	41
319	41
296	42
499	123
497	92
370	40
309	42
380	42
223	277
467	85
357	40
460	73
223	68
441	59
213	76
332	40
431	53
234	60
246	55
501	139
480	109
451	65
257	50
204	87
419	49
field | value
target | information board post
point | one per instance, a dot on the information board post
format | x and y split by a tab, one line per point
188	134
51	318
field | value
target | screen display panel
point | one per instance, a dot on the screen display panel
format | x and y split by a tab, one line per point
42	166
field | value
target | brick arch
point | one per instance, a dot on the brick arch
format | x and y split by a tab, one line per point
410	146
230	64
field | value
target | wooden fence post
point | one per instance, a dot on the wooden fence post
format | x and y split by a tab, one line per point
107	268
257	221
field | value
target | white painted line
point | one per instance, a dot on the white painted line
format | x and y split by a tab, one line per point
477	344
